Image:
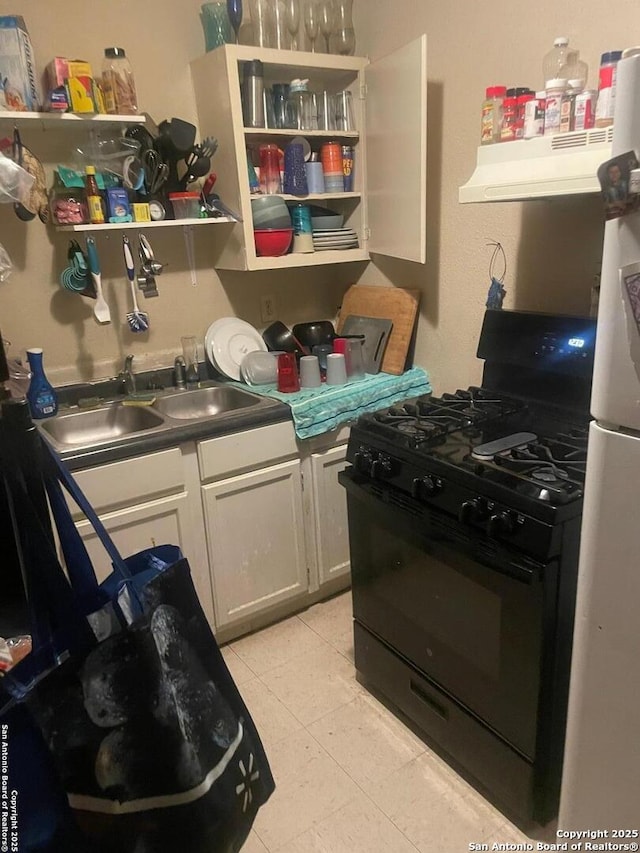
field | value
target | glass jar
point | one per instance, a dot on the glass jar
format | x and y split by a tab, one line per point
343	39
118	84
302	106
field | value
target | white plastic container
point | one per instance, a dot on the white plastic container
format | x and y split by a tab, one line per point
185	205
559	56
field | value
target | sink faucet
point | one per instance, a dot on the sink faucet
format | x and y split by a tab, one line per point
127	375
179	373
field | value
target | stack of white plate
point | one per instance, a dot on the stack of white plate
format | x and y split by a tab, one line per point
228	341
338	238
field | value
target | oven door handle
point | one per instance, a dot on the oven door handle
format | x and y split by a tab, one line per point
432	704
441	528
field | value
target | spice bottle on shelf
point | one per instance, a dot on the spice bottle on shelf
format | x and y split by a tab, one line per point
94	199
556	89
568	107
509	119
534	116
585	110
607	88
521	106
118	83
491	123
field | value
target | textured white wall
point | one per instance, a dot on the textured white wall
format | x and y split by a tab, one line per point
553	247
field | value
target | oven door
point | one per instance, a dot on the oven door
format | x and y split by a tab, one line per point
474	617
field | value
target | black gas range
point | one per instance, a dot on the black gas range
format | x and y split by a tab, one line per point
464	522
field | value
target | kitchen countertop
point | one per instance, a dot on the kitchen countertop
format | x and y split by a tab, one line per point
171	431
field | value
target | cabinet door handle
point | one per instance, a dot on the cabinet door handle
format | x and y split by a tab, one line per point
431	703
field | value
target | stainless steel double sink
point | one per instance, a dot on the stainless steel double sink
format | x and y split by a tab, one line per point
113	421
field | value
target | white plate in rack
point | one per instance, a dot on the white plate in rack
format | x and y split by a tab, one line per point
228	341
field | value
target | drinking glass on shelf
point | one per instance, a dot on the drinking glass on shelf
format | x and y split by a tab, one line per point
234	11
262	22
310	13
343	40
279	24
325	14
292	8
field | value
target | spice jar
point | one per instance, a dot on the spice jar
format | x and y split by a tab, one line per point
509	119
117	83
556	91
521	107
491	124
607	87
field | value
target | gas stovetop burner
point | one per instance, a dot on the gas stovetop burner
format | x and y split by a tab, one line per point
427	418
520	448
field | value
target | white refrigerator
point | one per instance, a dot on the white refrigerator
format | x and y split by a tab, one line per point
601	776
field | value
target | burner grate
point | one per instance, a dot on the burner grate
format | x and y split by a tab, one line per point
427	418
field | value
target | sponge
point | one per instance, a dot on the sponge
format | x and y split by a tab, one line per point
139	399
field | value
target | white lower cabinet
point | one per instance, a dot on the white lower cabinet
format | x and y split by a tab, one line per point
330	514
161	522
145	501
255	538
261	517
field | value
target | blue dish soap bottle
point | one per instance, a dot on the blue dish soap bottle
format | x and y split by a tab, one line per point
43	400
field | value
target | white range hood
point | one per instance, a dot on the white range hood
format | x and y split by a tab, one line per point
565	164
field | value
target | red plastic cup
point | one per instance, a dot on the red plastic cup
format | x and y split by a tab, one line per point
342	345
288	380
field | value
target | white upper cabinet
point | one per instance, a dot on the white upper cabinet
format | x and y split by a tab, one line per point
396	141
387	206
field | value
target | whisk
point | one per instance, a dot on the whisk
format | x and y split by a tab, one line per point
138	320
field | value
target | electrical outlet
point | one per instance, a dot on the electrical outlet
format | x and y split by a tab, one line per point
268	308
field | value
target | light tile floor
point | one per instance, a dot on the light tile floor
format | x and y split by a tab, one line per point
350	777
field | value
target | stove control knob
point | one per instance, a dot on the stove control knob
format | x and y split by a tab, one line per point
425	487
381	467
473	510
363	461
500	524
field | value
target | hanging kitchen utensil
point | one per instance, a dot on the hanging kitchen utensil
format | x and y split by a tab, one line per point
100	309
146	277
148	259
138	320
76	277
36	202
187	231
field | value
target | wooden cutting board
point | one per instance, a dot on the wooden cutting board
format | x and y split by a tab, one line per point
397	304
